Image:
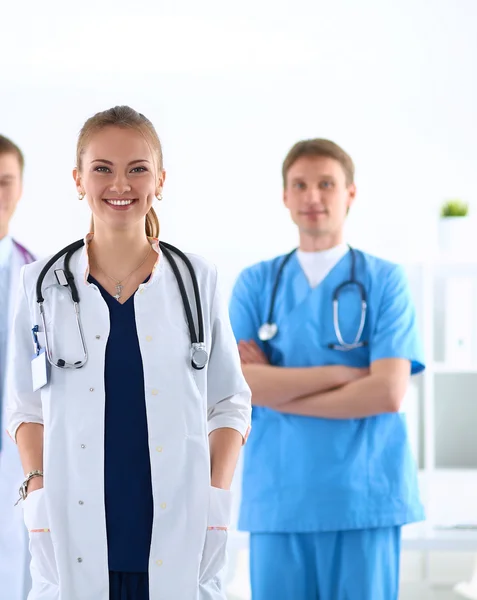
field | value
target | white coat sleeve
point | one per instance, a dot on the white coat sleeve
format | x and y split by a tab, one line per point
23	405
228	395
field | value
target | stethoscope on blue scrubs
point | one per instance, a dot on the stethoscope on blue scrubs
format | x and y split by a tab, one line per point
270	329
199	356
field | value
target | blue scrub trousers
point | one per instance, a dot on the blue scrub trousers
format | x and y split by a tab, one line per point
338	565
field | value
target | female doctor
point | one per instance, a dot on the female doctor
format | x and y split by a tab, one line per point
129	459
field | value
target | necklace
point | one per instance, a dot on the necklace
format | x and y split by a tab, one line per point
119	284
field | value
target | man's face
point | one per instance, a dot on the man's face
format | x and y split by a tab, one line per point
318	196
10	187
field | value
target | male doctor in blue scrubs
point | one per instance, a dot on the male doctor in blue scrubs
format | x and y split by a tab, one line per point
329	478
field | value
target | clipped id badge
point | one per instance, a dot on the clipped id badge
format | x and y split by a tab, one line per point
39	363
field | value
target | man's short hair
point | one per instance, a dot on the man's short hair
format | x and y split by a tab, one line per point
8	147
319	147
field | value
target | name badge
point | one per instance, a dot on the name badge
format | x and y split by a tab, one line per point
39	363
39	370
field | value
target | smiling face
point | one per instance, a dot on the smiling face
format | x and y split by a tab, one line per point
120	176
318	198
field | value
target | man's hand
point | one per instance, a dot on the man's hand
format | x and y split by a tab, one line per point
251	354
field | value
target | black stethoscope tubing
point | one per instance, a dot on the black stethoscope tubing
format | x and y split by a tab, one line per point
199	355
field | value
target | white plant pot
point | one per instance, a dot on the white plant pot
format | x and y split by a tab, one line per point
456	235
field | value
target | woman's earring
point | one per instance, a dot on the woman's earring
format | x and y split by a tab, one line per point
80	196
159	195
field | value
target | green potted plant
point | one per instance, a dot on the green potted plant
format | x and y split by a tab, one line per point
454	208
455	233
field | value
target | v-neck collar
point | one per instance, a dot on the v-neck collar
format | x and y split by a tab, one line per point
304	279
110	299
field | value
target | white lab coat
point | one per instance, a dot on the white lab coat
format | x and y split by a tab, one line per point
14	556
66	519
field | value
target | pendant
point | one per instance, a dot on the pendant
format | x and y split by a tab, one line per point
119	289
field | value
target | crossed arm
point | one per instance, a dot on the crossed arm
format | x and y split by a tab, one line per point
331	392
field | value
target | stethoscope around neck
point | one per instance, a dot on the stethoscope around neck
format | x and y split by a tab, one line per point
199	355
270	329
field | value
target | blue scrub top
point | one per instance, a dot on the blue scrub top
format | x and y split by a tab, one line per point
306	474
127	468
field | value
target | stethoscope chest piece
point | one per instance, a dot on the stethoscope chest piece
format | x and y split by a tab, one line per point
267	332
199	356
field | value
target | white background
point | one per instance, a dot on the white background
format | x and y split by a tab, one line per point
230	87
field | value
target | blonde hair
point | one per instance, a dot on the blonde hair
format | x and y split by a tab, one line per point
319	147
123	116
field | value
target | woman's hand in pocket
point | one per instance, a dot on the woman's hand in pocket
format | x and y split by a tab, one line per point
215	549
35	484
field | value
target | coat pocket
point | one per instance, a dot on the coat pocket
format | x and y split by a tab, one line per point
214	555
43	564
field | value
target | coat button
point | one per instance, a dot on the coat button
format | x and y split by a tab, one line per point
159	563
163	505
154	392
91	389
83	446
98	337
81	502
159	448
148	338
80	560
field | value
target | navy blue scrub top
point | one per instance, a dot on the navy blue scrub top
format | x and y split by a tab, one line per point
127	468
